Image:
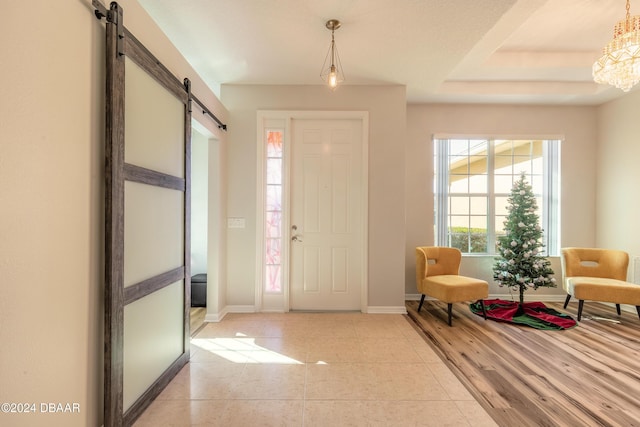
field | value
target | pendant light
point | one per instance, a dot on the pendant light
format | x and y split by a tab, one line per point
331	72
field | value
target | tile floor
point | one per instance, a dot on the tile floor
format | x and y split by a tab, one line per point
313	369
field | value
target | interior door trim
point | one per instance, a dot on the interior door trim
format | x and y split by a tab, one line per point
287	117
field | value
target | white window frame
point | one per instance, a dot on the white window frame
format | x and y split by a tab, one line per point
549	212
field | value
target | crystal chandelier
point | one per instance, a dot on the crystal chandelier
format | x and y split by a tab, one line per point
619	65
331	71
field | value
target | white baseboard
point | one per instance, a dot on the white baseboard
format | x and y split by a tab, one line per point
531	297
508	297
384	309
217	317
214	317
240	309
623	307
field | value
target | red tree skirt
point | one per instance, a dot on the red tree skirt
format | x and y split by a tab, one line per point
536	314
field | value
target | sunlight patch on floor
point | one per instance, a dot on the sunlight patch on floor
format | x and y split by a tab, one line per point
242	350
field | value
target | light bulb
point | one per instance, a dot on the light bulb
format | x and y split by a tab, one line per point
333	77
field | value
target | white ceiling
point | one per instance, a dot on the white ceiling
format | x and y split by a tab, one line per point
479	51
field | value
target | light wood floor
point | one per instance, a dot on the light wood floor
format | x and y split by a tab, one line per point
197	319
585	376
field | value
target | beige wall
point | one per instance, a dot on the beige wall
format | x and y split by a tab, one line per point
386	106
618	176
51	210
576	126
199	202
217	232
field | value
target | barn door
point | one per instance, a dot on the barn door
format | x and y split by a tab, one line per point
147	202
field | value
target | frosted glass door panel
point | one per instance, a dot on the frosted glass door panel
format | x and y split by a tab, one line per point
153	231
153	339
154	124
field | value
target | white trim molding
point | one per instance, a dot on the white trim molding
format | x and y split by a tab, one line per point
265	302
217	317
507	297
385	309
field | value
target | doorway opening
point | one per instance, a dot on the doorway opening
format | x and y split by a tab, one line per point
206	229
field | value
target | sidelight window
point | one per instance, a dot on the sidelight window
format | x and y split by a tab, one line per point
273	214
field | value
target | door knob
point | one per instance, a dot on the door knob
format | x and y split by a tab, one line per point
296	238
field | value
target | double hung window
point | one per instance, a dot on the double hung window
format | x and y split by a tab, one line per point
473	180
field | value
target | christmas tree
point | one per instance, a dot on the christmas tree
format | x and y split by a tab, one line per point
521	264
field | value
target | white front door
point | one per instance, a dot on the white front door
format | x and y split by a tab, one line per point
327	218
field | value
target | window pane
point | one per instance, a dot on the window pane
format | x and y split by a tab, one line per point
459	146
478	164
503	183
521	164
503	148
536	184
458	165
501	205
273	251
274	198
538	148
478	242
521	148
478	184
274	144
274	171
459	206
458	184
478	205
503	165
537	166
460	241
459	221
272	282
478	146
273	224
478	223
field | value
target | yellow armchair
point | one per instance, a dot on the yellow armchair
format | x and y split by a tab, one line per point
598	275
437	275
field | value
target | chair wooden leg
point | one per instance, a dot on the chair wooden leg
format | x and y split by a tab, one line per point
484	311
618	309
580	304
566	302
421	301
638	310
449	312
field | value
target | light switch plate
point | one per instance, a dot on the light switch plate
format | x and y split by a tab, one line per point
235	223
